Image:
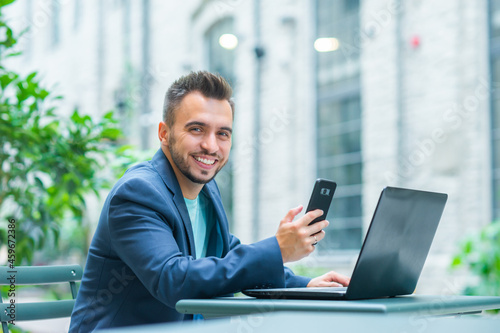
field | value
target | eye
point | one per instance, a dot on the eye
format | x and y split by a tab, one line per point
225	134
195	129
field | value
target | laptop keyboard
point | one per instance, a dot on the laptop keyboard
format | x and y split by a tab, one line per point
325	289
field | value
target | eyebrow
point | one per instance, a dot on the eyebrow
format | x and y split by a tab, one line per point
202	124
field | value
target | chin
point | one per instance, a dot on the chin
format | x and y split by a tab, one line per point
200	180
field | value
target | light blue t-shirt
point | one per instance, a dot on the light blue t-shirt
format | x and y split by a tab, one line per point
202	217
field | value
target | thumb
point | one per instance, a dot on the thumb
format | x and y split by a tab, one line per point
334	284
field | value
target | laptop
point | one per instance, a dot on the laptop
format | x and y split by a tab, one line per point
393	252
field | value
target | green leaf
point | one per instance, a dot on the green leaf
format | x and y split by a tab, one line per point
7	79
4	3
456	261
108	115
31	76
75	117
124	148
111	133
468	247
12	54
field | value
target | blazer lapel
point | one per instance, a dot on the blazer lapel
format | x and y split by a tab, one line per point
164	169
220	231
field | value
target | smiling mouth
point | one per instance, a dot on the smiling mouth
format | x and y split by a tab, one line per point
205	161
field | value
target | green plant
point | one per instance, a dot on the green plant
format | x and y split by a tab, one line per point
309	271
480	253
49	163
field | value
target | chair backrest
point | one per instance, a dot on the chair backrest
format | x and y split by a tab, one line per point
11	310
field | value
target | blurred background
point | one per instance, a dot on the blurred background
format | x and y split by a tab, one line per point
366	93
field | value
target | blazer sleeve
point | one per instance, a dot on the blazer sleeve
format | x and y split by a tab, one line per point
295	281
291	280
142	236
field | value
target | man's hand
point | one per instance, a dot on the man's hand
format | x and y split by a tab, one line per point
296	238
330	279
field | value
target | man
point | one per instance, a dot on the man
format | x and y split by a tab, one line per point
163	234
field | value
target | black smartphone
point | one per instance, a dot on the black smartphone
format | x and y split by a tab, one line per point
321	197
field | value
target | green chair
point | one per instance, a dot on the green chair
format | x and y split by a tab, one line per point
37	275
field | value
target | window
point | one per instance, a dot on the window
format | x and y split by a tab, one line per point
56	22
220	49
78	12
220	43
339	119
28	43
495	103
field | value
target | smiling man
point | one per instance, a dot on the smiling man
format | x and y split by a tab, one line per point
197	139
163	233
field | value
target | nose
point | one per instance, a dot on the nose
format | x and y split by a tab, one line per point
209	143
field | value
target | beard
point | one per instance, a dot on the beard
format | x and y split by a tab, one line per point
183	165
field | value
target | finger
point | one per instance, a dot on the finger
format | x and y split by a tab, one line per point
344	280
310	216
339	278
324	281
318	236
328	284
292	213
317	227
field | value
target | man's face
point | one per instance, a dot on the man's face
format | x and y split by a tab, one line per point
200	139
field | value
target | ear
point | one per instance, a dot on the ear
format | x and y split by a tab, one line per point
163	133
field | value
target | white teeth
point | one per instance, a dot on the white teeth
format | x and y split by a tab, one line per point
205	161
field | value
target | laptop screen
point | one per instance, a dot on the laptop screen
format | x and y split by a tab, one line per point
397	243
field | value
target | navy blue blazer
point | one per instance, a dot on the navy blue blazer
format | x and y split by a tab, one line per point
142	259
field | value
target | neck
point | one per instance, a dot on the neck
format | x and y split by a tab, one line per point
190	190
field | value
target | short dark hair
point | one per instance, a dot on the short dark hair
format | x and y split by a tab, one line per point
208	84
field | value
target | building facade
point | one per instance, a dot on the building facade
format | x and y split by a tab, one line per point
366	93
